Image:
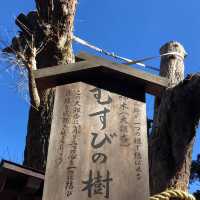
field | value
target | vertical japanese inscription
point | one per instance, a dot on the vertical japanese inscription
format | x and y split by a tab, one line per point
97	147
73	146
64	126
123	121
97	184
138	140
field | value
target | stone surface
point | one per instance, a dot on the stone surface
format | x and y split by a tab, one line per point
98	146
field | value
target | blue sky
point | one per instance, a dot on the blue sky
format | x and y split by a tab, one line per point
133	29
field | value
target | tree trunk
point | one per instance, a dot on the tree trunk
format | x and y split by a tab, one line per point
39	124
57	18
175	119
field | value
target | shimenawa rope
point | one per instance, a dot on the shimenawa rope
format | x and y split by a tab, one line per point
168	194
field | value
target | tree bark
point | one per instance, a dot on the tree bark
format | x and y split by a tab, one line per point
53	31
176	116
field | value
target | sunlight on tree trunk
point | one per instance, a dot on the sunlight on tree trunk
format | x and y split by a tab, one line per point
177	111
175	119
57	20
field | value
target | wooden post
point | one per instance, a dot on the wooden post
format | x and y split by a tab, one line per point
172	68
98	143
169	146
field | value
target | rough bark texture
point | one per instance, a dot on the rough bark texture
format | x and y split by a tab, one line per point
49	30
38	130
176	116
57	18
171	67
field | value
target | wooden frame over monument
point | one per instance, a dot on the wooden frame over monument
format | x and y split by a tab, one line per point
88	68
98	143
20	182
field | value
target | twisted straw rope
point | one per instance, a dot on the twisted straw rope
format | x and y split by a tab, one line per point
166	195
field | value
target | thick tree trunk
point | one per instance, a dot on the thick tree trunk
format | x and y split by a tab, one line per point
57	18
175	119
38	130
171	67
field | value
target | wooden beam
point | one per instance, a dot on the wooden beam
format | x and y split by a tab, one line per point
153	84
73	147
62	74
19	182
94	68
12	167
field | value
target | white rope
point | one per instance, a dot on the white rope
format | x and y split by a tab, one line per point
87	44
128	61
154	57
